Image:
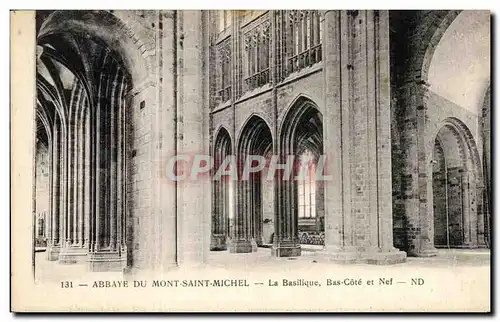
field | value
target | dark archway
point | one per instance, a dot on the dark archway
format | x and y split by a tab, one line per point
42	181
254	139
82	86
301	135
222	193
457	189
485	126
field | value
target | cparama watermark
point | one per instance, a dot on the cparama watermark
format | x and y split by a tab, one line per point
185	167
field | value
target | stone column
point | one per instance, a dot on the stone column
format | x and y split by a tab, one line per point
241	240
87	191
98	183
167	129
192	124
63	182
286	242
111	256
220	199
154	236
358	196
467	213
252	213
54	249
113	164
176	231
417	150
98	179
481	212
81	177
75	179
119	159
73	251
336	120
257	205
48	217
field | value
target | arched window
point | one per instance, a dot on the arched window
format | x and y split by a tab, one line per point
223	74
256	54
304	33
306	186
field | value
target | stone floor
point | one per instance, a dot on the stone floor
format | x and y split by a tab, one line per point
262	261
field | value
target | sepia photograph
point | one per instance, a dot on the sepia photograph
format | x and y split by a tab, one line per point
285	160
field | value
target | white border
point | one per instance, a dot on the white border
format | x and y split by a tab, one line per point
185	4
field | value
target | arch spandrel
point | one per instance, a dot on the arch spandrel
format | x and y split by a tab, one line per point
254	119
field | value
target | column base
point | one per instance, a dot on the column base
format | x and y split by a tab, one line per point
344	255
286	249
107	261
254	245
218	242
259	241
481	243
385	257
353	255
53	252
429	252
73	254
240	246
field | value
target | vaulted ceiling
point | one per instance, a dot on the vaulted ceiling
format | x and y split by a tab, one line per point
69	70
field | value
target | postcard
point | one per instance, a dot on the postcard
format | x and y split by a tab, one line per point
250	161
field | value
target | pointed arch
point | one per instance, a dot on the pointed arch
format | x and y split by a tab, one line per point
300	134
222	192
90	50
302	124
253	119
221	131
254	138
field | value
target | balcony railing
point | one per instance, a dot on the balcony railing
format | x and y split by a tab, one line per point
224	94
305	59
295	63
257	80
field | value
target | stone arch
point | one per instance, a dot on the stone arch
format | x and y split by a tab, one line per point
254	139
48	97
45	120
301	108
426	38
222	189
457	188
421	33
298	99
301	129
485	127
253	117
90	145
42	179
464	137
221	130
